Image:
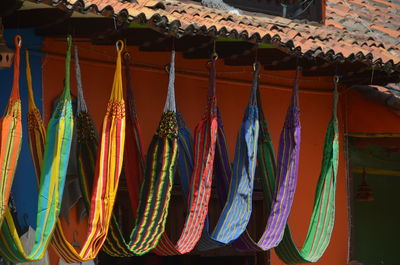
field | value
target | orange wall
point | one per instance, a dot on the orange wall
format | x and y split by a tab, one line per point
150	90
366	116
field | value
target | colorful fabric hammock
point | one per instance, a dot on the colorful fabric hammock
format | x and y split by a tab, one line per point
323	215
196	215
279	197
108	169
52	178
87	144
238	205
115	244
36	129
184	161
11	135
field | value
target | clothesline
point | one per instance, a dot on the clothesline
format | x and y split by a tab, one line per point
203	75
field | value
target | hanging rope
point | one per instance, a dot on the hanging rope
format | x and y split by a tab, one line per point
53	172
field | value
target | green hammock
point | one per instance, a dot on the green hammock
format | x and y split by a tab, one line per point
323	215
52	179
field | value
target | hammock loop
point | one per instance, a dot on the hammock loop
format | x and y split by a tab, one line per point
119	45
15	87
116	93
67	65
254	87
295	94
170	104
18	41
336	80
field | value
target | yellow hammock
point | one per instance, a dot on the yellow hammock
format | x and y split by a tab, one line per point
108	169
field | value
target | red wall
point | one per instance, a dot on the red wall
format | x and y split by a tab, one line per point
150	90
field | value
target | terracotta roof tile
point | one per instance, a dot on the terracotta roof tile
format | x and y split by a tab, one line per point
350	29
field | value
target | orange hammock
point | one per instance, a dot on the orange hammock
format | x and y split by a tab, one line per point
11	135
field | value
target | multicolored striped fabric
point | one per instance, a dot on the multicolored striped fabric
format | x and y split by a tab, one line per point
133	156
237	208
279	197
196	213
323	215
87	143
36	129
115	244
11	135
156	189
108	169
52	178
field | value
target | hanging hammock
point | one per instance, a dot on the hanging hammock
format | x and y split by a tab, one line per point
11	135
278	200
238	205
87	144
279	193
117	245
52	178
192	193
323	215
108	169
36	129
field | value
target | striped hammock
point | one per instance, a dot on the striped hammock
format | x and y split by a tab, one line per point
87	139
321	225
237	200
108	169
323	215
52	174
184	163
278	200
11	135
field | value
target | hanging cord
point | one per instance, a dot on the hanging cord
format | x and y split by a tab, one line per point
170	103
116	93
81	99
15	89
335	96
67	81
295	95
256	80
372	74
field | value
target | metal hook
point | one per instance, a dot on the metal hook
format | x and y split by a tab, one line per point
166	68
372	74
